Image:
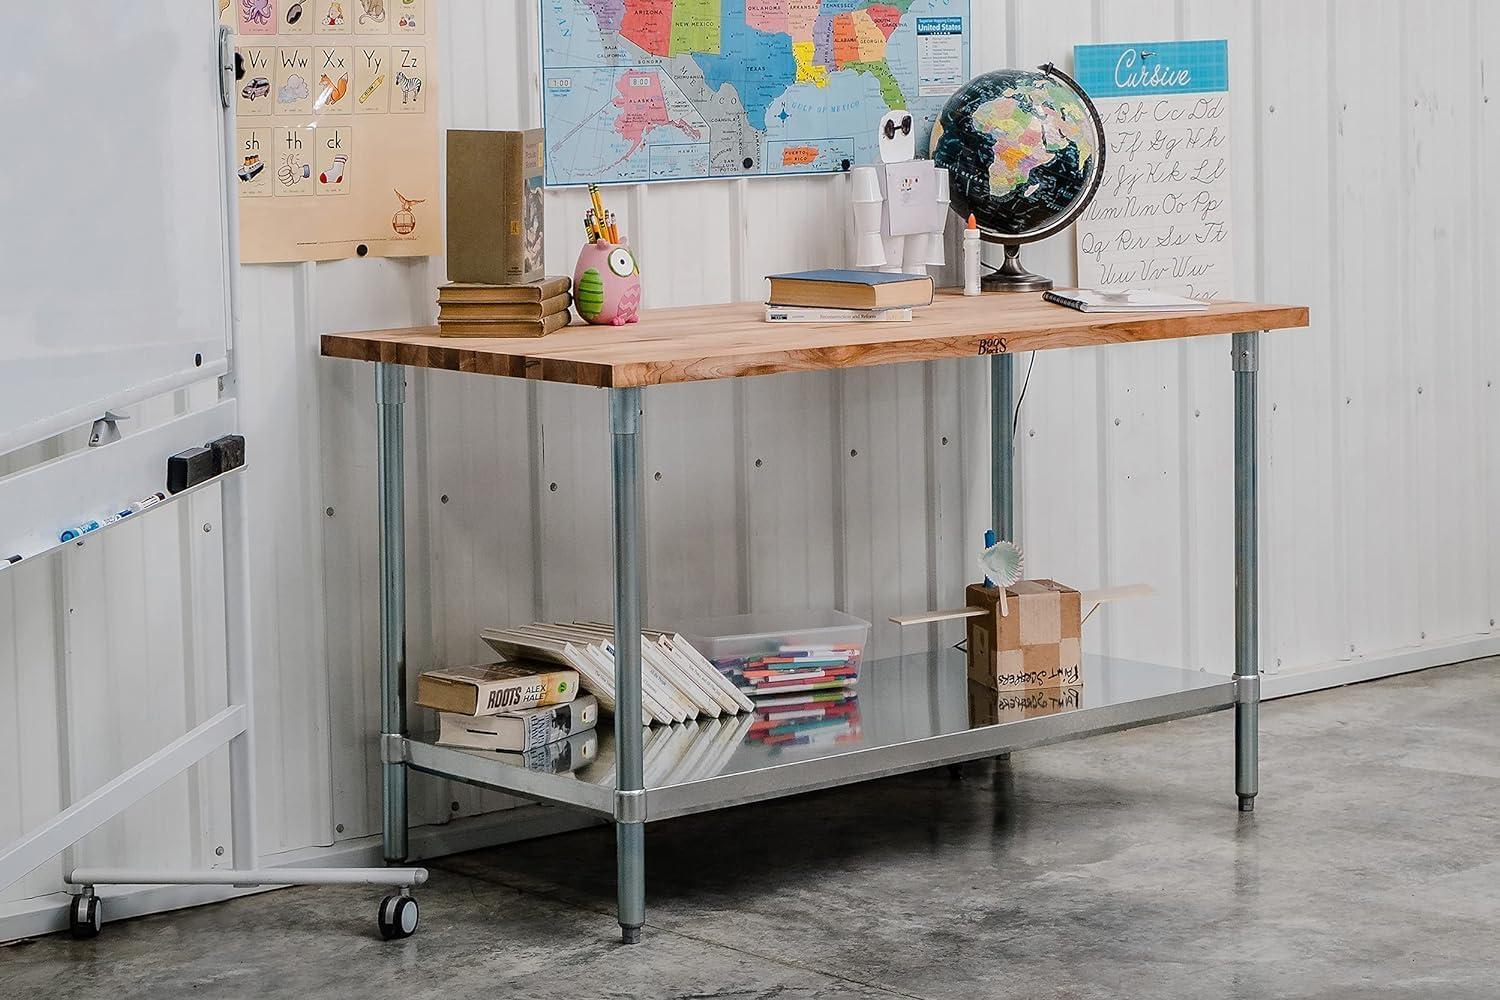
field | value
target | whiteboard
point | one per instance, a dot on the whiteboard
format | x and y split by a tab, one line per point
115	278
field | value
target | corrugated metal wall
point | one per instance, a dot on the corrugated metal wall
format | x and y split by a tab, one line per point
1361	135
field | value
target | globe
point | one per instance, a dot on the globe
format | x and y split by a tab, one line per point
1024	152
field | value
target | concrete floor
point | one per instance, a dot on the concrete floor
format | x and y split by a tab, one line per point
1114	867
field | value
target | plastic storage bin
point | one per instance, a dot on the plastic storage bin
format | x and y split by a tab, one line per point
783	651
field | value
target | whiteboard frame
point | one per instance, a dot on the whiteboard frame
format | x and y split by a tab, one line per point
49	426
93	479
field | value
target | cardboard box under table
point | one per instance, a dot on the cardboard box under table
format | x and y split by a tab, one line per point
1037	645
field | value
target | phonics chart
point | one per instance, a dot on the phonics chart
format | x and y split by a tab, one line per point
337	128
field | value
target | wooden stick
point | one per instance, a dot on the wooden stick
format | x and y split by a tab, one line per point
928	617
1097	597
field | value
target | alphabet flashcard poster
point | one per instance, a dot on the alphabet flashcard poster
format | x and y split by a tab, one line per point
337	128
1161	220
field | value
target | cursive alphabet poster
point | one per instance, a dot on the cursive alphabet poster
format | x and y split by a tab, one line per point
1161	220
336	128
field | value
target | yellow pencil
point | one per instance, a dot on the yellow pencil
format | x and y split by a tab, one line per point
598	202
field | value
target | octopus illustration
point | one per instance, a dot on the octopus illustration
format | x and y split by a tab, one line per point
256	11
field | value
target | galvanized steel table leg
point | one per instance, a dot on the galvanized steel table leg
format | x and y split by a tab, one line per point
390	397
630	829
1002	452
1246	354
1002	446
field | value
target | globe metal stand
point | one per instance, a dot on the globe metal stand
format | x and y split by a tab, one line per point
1012	277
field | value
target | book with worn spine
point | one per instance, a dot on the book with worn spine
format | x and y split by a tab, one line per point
832	288
539	327
519	731
492	688
481	312
531	292
495	206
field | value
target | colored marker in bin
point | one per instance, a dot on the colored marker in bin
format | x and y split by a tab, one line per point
793	669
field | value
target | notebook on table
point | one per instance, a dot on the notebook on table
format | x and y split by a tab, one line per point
1128	300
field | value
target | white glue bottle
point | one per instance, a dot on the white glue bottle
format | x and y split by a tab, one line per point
971	257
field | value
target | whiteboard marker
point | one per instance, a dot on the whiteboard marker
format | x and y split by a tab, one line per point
147	502
78	529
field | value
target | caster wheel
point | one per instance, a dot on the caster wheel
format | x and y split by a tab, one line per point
398	917
85	916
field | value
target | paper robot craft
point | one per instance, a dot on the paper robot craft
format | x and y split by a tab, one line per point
900	204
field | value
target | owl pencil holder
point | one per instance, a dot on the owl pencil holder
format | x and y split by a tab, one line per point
607	284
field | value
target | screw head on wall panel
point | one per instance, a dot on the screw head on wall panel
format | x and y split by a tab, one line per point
552	487
208	527
443	498
219	851
339	828
328	511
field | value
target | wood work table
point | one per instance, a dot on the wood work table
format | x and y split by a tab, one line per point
696	343
731	341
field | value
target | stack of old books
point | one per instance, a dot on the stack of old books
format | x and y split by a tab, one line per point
531	309
677	683
533	715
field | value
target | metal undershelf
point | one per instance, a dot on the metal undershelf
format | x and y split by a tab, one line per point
910	714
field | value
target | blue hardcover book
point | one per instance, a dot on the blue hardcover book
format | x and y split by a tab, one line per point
832	288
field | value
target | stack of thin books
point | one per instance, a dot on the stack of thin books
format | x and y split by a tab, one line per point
677	683
533	309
